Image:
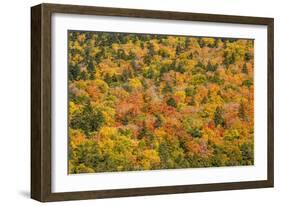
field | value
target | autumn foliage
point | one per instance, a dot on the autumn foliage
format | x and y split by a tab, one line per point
146	102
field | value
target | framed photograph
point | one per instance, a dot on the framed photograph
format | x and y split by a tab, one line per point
132	102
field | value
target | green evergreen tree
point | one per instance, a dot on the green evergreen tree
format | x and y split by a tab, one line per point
241	111
245	69
89	120
172	102
167	89
218	117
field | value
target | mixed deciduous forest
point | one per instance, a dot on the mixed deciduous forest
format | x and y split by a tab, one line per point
146	102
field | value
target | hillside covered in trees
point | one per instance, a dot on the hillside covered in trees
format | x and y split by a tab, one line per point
146	102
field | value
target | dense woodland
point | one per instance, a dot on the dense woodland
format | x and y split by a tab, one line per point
146	102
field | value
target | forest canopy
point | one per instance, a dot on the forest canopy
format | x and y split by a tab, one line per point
147	101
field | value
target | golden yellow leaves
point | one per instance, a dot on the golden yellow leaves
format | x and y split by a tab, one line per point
209	41
102	85
95	51
160	133
135	83
149	159
76	138
180	95
237	49
77	58
107	132
81	37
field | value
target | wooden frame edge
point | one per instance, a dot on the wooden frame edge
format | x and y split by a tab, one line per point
101	194
36	58
270	102
40	103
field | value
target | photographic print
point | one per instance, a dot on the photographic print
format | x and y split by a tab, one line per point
152	102
130	102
